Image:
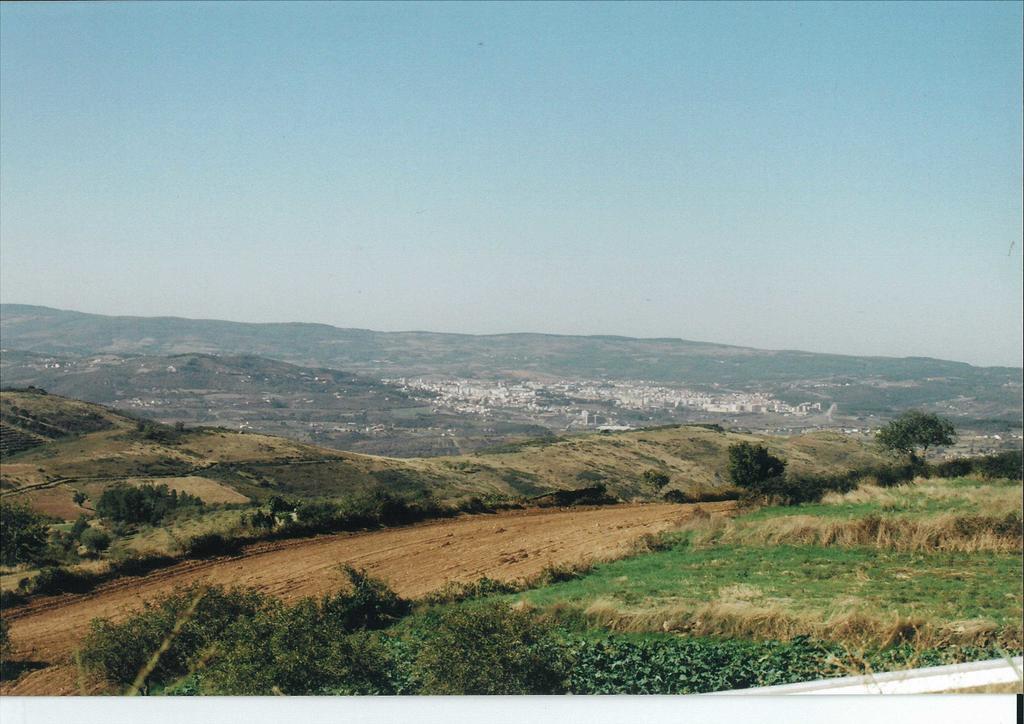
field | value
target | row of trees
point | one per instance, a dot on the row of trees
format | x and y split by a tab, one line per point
143	504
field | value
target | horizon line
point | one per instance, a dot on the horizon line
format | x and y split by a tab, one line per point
512	334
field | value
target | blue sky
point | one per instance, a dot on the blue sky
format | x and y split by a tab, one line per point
830	177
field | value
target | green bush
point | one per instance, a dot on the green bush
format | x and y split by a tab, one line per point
655	478
956	468
678	496
371	604
491	649
23	534
454	592
750	466
11	598
5	640
1001	465
208	545
137	565
302	649
198	616
53	580
889	476
250	643
80	525
95	540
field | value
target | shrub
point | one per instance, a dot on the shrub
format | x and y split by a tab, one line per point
655	478
208	545
298	650
280	505
371	604
888	476
140	565
96	541
793	489
752	465
312	647
261	520
53	580
5	640
252	644
22	534
956	468
491	649
454	592
80	525
703	496
11	598
189	622
158	432
317	515
594	495
1002	465
560	573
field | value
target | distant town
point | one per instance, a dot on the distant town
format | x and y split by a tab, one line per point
586	402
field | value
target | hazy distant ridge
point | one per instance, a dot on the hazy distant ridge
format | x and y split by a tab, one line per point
857	383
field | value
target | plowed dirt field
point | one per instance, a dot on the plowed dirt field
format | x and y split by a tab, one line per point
413	560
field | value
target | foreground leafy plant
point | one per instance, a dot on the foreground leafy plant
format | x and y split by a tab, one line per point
492	649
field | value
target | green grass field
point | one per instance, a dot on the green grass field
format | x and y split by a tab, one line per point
938	561
813	580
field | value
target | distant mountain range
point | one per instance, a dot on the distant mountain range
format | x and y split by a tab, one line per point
857	385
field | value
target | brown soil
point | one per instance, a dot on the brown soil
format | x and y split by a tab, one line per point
413	560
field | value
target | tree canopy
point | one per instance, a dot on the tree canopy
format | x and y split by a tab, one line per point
915	429
750	465
22	534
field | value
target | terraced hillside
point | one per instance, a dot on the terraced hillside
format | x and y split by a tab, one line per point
34	418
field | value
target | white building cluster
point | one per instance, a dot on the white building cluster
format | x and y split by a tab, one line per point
568	397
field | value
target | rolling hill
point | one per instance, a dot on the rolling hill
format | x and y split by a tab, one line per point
858	385
86	447
322	406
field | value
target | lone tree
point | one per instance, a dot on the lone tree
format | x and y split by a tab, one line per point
751	465
915	429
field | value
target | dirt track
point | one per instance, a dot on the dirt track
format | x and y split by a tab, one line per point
413	560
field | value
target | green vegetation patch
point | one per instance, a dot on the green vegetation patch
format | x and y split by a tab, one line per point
922	499
820	581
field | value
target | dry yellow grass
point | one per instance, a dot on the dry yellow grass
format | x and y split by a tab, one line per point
209	491
985	499
732	616
944	532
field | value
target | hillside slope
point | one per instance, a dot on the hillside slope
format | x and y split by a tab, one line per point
856	384
98	447
322	406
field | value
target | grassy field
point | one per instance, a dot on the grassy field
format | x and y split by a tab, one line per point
811	570
927	497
